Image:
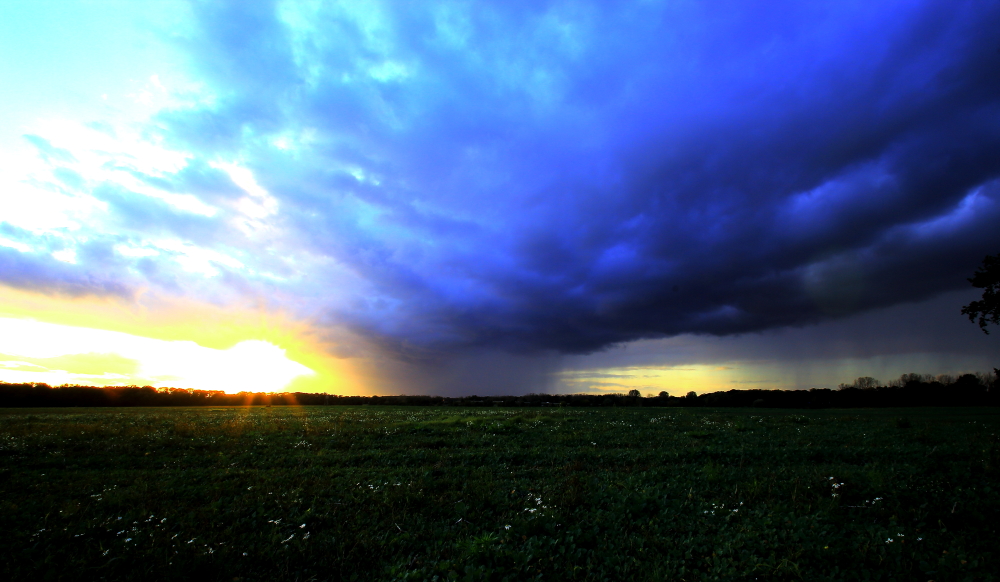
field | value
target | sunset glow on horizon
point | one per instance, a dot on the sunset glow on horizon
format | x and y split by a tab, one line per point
88	341
50	353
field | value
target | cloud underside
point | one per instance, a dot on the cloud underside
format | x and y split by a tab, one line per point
554	178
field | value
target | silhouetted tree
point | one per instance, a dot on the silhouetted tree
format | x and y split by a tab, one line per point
968	386
634	393
987	277
866	383
692	394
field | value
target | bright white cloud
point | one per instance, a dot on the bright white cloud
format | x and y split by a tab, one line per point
256	206
195	259
136	252
43	210
65	256
16	245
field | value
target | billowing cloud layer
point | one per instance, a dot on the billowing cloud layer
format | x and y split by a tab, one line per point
540	177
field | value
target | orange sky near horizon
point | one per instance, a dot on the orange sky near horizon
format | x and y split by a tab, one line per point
182	343
153	341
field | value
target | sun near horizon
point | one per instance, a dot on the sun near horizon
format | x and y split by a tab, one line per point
57	340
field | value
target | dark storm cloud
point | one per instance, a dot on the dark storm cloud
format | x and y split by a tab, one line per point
566	177
932	329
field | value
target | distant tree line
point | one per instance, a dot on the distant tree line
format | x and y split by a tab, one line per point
907	390
867	392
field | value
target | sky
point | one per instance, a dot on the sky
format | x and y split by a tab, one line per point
495	197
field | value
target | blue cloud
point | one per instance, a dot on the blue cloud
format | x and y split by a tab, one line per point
152	216
567	176
48	151
547	178
42	273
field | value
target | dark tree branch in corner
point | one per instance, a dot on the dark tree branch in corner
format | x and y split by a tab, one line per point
987	309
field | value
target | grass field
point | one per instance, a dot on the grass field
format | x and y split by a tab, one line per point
373	493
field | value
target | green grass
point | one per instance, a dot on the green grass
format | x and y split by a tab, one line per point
373	493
